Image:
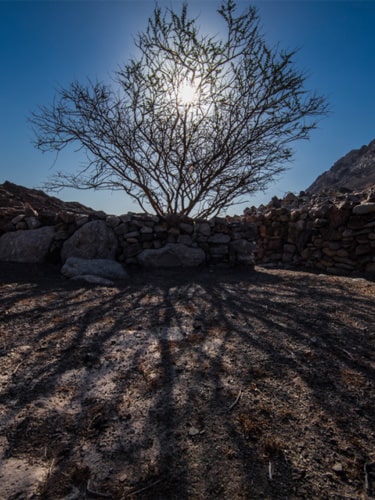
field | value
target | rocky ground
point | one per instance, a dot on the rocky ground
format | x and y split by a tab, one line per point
186	385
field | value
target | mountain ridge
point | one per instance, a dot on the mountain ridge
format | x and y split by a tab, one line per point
353	171
14	197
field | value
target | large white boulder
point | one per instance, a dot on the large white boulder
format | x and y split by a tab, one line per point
104	268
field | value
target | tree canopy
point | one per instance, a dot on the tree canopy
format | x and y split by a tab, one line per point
191	125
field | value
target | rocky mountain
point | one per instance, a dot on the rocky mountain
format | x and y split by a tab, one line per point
354	171
18	199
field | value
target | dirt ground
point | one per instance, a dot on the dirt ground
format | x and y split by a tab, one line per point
194	384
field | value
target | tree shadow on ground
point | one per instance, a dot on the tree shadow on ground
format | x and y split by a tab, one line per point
187	384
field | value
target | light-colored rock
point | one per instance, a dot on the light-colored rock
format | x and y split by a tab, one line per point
172	255
94	240
27	245
17	219
105	268
338	467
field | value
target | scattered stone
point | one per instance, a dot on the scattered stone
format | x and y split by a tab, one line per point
337	467
193	431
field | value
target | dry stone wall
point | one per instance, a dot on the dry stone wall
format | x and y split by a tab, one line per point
332	233
134	239
329	232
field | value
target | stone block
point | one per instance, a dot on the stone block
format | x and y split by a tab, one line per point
113	221
362	249
364	209
219	239
186	228
172	255
185	239
203	228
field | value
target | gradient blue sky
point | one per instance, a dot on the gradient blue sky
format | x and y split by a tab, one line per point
44	44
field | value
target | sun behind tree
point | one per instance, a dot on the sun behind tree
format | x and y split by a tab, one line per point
194	124
188	93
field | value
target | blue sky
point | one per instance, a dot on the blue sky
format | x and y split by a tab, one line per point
45	44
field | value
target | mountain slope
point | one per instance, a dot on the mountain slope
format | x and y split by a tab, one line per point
15	198
354	171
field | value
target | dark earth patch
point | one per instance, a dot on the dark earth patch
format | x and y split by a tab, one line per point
186	384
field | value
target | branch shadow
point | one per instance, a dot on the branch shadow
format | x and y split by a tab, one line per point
186	384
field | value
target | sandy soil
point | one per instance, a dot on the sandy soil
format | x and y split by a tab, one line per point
194	384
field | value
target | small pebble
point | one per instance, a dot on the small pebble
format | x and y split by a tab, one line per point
193	431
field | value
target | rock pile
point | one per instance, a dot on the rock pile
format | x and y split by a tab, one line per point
333	232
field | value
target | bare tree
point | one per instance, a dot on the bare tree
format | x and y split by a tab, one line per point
193	124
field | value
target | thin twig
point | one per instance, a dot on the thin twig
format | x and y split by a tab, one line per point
347	353
141	490
366	478
367	472
95	493
49	473
16	368
236	401
270	470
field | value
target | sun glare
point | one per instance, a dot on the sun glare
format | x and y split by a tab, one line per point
187	93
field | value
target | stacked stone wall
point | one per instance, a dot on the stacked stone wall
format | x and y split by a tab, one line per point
334	234
331	233
221	240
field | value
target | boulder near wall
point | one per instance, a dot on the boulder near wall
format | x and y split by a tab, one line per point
26	246
94	240
105	268
172	255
